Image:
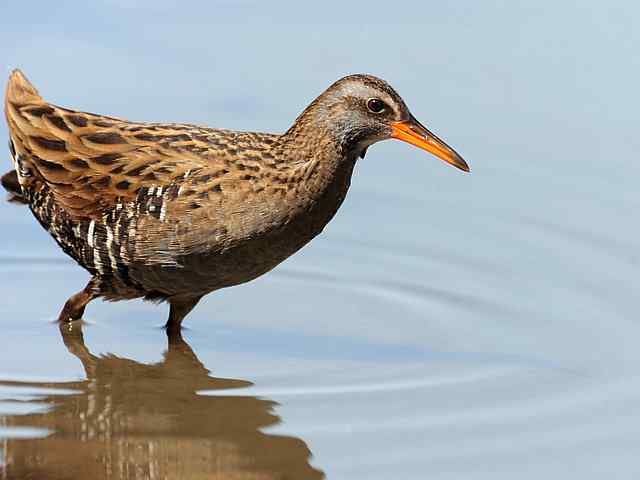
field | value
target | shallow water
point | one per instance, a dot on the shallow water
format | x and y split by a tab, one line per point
443	326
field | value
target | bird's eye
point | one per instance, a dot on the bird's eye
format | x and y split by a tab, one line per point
375	105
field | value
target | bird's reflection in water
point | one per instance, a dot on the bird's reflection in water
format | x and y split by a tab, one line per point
129	420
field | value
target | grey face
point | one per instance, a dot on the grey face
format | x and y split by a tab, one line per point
360	110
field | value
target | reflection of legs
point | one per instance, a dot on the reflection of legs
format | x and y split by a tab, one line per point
180	356
74	341
74	308
179	308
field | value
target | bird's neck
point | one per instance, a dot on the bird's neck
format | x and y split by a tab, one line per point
320	171
316	158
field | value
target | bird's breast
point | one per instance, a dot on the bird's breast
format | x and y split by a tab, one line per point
246	238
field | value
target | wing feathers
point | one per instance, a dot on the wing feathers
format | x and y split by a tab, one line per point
93	162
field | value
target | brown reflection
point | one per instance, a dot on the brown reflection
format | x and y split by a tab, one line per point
135	421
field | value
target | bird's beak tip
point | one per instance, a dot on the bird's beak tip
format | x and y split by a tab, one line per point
413	132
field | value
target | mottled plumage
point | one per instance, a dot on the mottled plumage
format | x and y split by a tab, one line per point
174	211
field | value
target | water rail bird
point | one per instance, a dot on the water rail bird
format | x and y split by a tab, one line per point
171	212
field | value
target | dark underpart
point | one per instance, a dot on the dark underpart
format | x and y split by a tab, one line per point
10	183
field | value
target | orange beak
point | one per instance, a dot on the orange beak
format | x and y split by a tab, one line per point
413	132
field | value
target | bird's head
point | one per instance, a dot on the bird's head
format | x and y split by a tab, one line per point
360	110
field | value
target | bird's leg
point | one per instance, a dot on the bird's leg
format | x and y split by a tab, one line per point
179	308
74	307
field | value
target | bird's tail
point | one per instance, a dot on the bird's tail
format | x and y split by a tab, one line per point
19	91
10	183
